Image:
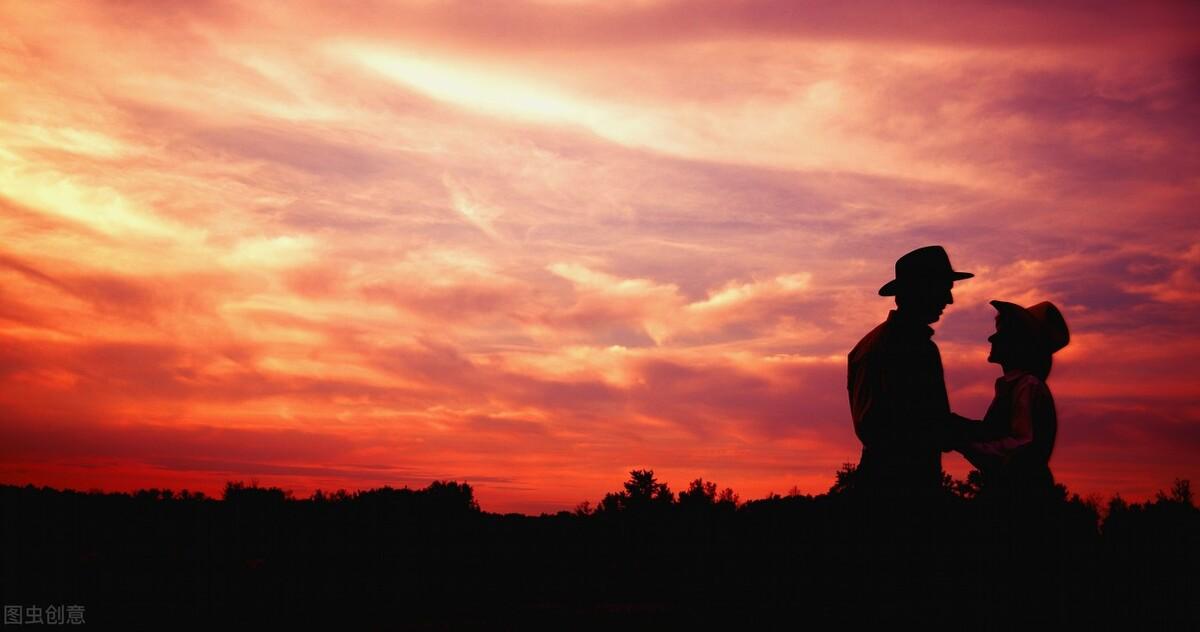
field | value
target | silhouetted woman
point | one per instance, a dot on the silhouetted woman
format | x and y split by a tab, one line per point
1013	444
1012	448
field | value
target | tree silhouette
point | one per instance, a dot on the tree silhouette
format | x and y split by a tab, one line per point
1181	493
642	492
699	494
845	480
702	494
452	496
642	487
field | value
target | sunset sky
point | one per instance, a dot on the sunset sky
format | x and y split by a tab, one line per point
531	245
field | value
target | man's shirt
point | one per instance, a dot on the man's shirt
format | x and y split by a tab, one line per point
898	401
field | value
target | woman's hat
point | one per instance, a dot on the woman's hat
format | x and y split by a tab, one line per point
922	265
1044	322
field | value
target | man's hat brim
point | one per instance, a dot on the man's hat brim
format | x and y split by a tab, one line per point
891	287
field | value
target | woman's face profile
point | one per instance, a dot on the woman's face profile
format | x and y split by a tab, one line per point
1011	344
1001	340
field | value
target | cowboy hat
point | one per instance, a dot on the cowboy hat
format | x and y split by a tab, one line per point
922	265
1043	321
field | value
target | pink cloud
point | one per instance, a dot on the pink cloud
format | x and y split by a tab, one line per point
536	245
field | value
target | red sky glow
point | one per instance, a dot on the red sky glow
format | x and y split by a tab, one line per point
531	245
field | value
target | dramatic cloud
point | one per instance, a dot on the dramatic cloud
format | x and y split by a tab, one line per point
532	245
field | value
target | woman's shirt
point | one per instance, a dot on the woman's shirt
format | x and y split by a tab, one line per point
1020	424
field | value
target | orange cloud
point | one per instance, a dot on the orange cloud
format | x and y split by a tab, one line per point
536	245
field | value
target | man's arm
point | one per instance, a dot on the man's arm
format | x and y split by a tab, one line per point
870	403
957	431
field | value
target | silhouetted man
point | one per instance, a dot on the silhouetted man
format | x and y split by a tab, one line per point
897	387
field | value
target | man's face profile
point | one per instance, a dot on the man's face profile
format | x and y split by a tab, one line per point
925	301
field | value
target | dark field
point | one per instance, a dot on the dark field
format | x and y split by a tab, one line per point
644	558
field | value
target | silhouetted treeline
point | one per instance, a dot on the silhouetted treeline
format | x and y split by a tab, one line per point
643	556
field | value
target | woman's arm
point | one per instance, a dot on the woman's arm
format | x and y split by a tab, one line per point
1020	430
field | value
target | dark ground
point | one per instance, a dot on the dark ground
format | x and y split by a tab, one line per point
645	558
